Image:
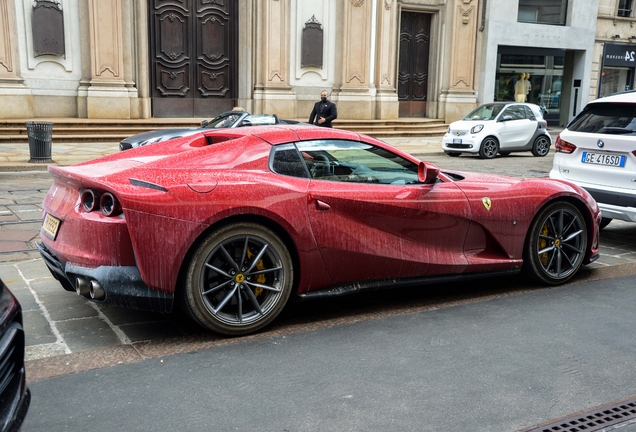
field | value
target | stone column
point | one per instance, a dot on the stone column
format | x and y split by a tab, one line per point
107	95
272	92
387	105
461	96
17	101
354	96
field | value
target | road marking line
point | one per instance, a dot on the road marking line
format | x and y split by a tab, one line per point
120	334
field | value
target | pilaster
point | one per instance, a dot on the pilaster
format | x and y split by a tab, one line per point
107	95
272	93
387	105
354	97
15	98
462	96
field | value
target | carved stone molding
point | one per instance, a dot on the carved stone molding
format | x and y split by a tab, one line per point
6	57
464	43
312	44
274	44
48	28
106	41
357	41
386	41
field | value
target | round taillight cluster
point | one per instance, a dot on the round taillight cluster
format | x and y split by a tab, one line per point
106	202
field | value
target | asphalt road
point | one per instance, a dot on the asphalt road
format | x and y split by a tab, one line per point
502	364
390	360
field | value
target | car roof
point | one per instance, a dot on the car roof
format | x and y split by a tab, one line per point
282	133
623	97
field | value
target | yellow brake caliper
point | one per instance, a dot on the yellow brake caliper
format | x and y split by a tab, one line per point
261	277
543	243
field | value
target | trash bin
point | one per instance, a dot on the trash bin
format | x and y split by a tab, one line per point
40	140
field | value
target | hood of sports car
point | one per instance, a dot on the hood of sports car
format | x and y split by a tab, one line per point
472	179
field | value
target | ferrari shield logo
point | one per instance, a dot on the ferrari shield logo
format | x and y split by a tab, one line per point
487	203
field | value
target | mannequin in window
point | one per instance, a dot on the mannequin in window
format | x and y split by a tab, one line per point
522	88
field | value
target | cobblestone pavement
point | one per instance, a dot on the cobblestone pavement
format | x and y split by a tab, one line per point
59	322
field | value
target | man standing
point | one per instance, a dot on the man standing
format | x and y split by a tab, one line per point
324	112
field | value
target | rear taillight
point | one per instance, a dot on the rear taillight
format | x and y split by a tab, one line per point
562	146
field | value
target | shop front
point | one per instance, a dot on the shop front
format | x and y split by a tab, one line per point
617	69
533	75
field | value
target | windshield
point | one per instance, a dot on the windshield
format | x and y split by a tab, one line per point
485	112
224	120
608	118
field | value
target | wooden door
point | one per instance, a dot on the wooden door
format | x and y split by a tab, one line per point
193	57
415	31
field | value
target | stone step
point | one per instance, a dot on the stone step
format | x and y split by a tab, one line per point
83	130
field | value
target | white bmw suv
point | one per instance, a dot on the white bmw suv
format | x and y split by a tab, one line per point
597	151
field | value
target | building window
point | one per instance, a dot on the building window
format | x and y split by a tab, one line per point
543	11
624	8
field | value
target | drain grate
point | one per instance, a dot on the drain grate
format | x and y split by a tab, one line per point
593	420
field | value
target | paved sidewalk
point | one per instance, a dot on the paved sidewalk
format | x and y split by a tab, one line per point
15	156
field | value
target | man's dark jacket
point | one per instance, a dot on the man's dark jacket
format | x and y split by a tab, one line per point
327	110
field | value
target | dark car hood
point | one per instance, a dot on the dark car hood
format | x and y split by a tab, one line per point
166	133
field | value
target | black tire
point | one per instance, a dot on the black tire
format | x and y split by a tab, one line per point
238	280
504	153
556	244
489	148
605	222
541	146
453	154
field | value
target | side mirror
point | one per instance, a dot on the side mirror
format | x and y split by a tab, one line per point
204	123
506	118
427	173
246	123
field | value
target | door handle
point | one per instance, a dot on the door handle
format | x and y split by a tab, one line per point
321	205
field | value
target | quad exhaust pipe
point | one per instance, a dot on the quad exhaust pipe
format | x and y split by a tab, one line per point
89	288
97	292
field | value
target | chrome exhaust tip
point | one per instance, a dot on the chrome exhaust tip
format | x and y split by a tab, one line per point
82	287
97	292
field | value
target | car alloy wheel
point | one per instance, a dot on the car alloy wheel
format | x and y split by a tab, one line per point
541	146
489	148
556	243
239	279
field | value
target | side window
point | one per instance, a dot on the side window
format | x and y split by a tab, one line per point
286	160
624	8
516	112
529	113
358	162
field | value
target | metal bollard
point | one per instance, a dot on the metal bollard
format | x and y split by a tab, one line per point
40	141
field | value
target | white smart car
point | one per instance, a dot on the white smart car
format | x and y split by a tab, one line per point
499	127
597	151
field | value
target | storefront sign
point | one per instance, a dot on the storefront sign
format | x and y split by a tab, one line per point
619	55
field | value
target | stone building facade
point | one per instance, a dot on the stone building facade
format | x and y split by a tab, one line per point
379	59
615	48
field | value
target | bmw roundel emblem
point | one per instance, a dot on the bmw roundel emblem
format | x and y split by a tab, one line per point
600	143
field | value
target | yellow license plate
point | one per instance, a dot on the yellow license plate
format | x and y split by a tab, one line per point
50	226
